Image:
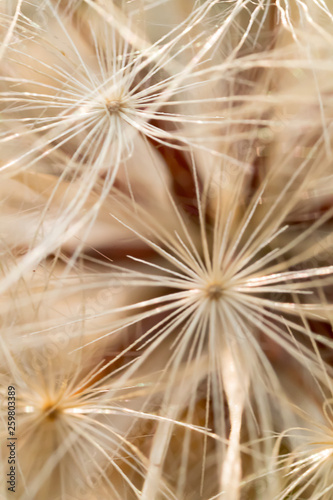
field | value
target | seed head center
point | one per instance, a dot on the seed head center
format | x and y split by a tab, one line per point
113	106
51	412
214	291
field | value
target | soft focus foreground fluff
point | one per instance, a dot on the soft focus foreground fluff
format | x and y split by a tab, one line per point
166	249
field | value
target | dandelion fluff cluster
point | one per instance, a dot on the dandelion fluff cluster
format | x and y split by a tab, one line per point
166	270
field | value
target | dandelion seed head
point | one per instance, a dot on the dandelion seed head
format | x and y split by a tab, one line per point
186	124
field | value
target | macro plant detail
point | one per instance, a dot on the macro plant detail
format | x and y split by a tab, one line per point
166	249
